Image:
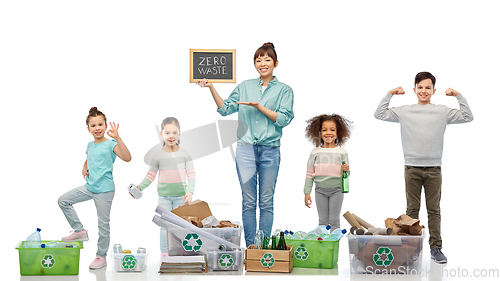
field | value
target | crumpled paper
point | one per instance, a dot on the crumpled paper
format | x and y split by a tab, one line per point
404	225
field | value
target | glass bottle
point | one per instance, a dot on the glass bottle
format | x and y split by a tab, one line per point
273	242
345	181
281	242
265	244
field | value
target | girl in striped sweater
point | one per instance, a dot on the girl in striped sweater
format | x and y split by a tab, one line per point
174	167
324	167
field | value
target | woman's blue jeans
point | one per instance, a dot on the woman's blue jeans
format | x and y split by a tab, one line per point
257	167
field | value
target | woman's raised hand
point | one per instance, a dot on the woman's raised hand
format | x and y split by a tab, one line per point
203	83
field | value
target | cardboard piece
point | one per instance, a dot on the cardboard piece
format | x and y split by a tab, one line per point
352	221
223	224
362	222
194	220
196	208
404	225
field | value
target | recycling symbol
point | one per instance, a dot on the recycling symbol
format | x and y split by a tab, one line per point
48	261
381	252
192	242
225	261
267	260
301	254
129	262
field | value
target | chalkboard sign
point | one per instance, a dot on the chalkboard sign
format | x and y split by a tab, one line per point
218	66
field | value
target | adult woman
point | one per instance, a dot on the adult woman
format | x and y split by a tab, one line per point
265	105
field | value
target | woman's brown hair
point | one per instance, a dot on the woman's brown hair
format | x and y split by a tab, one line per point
266	49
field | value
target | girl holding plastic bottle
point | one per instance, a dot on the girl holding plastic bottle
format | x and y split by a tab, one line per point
100	187
265	107
324	166
174	166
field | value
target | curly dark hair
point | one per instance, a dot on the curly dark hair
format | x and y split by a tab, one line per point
313	129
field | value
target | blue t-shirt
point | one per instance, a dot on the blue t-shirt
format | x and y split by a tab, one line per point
100	159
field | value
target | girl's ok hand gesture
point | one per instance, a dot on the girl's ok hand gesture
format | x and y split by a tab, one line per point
113	132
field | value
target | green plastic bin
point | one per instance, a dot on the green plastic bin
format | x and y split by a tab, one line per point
314	253
49	261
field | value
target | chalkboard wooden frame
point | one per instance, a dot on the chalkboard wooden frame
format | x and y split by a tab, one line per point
193	68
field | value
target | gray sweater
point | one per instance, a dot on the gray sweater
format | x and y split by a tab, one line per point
423	127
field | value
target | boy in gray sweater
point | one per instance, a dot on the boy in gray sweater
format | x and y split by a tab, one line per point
422	135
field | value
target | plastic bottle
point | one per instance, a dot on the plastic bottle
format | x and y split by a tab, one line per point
318	232
34	240
258	239
56	244
345	181
298	235
336	235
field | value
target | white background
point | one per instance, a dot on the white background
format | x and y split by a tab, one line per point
131	60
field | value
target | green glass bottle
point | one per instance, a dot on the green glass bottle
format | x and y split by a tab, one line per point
273	242
345	181
265	244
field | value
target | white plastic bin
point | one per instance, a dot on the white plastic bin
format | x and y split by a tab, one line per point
225	261
187	242
131	262
378	254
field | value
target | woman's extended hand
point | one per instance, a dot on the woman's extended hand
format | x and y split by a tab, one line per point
250	103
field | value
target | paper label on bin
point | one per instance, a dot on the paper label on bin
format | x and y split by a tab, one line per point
129	262
192	242
225	261
267	260
301	254
383	256
48	261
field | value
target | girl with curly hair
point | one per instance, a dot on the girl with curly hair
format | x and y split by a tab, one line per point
324	167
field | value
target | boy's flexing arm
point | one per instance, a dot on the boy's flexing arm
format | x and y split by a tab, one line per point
383	111
462	115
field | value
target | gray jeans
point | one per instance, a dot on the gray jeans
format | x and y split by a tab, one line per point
102	203
329	203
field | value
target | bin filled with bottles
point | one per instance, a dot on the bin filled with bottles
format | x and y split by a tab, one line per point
317	249
130	260
269	254
44	257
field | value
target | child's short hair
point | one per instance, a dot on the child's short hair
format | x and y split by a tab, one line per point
94	112
313	129
425	75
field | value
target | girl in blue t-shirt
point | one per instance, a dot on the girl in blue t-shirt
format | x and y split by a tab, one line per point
98	172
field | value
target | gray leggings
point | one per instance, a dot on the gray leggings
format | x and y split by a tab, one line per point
329	203
102	203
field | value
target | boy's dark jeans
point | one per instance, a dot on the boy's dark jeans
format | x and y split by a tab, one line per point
430	178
